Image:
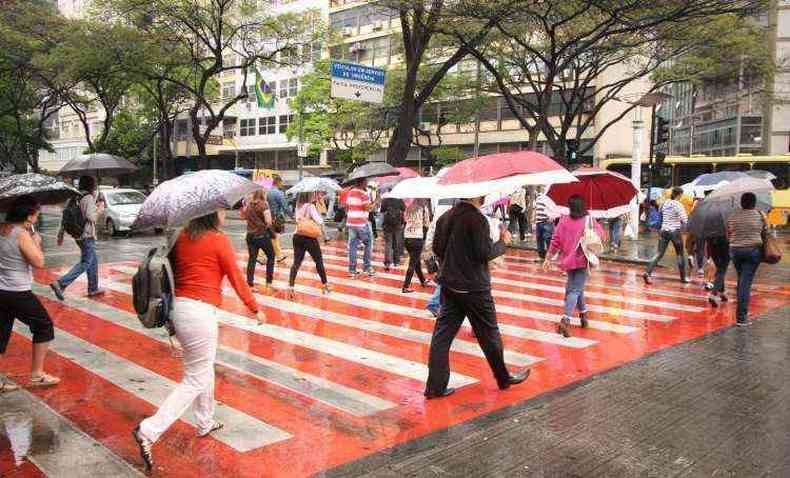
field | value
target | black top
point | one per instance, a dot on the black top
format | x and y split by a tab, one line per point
463	244
392	209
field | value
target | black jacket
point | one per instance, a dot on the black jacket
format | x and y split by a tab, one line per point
463	244
392	208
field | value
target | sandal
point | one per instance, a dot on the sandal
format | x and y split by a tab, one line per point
8	387
43	380
326	290
291	294
217	426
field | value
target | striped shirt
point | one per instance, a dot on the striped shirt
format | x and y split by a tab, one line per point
745	227
674	216
357	203
544	209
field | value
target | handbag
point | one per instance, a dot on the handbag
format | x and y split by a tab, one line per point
591	243
772	248
307	227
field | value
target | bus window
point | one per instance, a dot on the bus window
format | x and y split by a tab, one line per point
780	170
733	167
685	173
624	169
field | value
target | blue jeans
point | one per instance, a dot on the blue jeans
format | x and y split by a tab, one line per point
543	232
676	238
355	236
434	303
574	291
746	261
615	231
88	263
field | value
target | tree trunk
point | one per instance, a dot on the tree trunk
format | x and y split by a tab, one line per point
533	139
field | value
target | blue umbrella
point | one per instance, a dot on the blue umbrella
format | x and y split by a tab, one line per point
312	184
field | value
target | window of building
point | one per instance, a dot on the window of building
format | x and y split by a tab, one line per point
285	120
247	127
293	87
267	125
229	89
283	89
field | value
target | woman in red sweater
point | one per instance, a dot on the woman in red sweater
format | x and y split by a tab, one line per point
202	257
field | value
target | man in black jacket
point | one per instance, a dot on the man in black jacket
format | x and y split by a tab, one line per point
463	244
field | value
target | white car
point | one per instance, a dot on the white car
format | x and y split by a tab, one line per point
121	208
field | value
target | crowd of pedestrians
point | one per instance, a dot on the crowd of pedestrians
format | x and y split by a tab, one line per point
454	236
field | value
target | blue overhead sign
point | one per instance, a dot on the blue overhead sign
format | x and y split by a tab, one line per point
357	82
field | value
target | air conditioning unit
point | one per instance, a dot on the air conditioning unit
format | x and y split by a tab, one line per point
356	48
378	26
347	31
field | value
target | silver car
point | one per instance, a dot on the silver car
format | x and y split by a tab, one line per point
121	208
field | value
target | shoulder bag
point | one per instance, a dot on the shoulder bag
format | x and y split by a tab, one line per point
591	243
772	248
306	226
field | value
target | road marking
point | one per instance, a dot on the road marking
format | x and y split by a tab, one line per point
28	420
352	353
319	389
242	432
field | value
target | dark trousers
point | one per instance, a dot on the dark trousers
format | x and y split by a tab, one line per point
543	233
414	247
255	244
519	220
479	308
663	242
301	245
373	227
746	260
720	254
393	245
25	307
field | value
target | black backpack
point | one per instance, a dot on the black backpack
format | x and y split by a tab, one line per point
393	215
73	220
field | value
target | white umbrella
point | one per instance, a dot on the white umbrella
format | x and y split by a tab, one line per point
312	184
414	188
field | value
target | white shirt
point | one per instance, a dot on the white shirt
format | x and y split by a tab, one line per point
673	215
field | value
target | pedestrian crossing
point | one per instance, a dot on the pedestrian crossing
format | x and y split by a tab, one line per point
327	378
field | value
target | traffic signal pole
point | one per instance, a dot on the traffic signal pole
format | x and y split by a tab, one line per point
652	151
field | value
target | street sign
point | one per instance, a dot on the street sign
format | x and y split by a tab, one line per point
357	82
215	139
302	150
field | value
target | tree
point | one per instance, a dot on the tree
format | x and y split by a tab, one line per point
557	64
209	38
430	33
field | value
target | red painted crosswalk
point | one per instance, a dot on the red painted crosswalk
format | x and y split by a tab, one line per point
333	378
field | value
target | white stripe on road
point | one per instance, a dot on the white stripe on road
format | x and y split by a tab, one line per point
29	422
332	394
242	432
352	353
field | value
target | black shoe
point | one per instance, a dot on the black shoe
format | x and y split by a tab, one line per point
447	392
646	278
743	323
583	319
58	290
712	301
407	291
145	450
515	379
562	327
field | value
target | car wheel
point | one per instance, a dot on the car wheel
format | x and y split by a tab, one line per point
111	231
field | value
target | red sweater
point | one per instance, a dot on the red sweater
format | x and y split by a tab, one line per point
203	263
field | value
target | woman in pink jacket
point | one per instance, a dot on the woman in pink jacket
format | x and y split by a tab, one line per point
572	260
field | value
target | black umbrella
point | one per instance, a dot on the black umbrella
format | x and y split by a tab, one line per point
371	170
45	189
98	164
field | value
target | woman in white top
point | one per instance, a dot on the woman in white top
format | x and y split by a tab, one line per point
418	219
20	251
306	211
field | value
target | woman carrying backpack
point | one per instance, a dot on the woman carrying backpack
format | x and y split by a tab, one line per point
309	228
20	251
259	236
418	219
567	242
202	257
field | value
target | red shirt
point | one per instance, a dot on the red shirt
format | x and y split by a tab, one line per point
203	263
357	202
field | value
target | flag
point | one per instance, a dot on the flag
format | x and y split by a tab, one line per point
263	92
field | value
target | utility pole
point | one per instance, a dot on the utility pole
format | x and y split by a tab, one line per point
636	167
299	150
477	112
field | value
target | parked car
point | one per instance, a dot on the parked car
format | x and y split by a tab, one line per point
121	208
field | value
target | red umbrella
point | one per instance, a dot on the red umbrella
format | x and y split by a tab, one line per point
606	193
387	181
502	165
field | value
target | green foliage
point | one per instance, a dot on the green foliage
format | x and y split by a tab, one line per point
448	155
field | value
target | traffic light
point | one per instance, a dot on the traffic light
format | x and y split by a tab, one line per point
571	147
662	130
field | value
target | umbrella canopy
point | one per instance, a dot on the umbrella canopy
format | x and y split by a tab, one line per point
606	193
389	181
413	188
98	164
45	189
713	180
503	172
760	174
709	218
371	170
177	201
312	184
